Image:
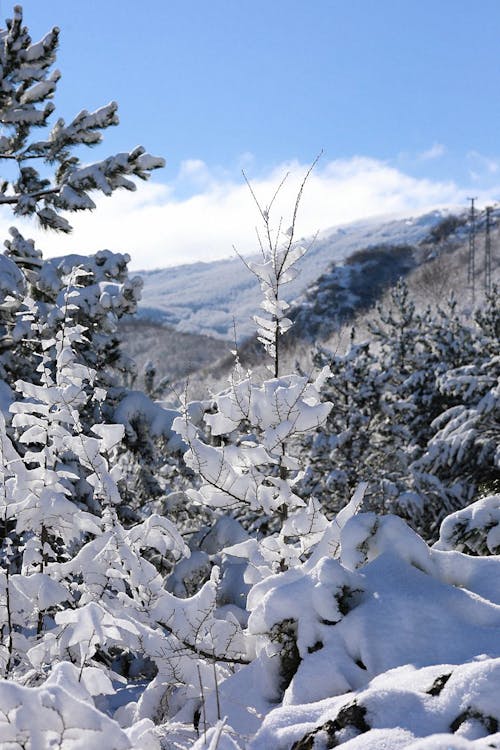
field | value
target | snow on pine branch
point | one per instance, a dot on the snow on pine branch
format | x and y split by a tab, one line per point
26	104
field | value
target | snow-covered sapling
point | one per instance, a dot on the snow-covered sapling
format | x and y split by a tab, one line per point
247	467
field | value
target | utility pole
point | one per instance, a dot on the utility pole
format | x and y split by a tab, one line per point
487	252
471	266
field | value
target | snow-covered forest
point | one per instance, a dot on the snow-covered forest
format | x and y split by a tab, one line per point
302	561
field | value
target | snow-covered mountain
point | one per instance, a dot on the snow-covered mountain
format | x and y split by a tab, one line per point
208	297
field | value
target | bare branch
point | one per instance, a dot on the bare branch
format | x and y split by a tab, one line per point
201	652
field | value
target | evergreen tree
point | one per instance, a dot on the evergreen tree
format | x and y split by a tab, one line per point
244	454
80	600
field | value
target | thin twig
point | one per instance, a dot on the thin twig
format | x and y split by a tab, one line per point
277	191
203	709
217	697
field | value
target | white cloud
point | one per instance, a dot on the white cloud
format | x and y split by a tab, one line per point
196	172
434	152
482	166
215	210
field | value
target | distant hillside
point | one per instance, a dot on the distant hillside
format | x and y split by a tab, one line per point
208	297
344	290
175	355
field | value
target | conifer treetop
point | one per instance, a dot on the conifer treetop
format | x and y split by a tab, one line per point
27	88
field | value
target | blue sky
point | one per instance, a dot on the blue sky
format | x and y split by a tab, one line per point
401	89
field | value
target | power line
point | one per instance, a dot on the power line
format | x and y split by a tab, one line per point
471	266
487	252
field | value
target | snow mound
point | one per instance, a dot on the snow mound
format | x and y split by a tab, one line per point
392	642
441	707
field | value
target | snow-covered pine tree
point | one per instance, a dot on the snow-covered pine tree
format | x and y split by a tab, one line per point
83	612
334	454
76	589
102	295
402	389
376	385
461	457
44	177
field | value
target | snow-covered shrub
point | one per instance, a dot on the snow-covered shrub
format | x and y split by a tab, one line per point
439	707
287	634
61	713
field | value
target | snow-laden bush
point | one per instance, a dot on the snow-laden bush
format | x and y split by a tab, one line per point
439	707
474	529
61	713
